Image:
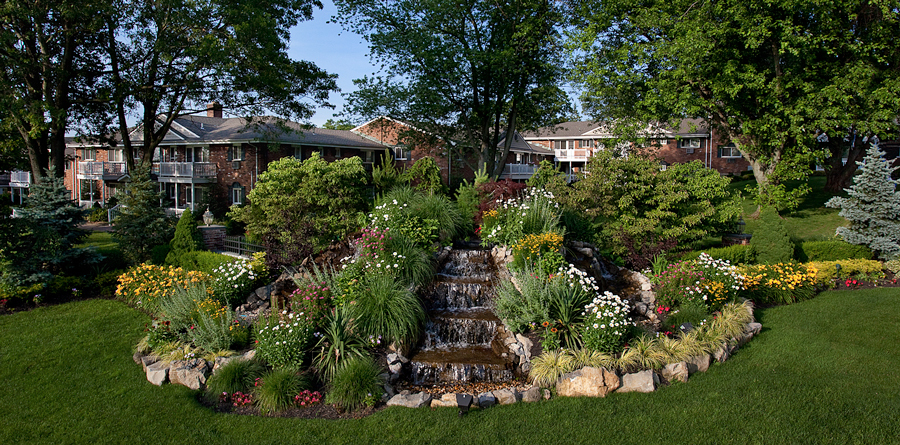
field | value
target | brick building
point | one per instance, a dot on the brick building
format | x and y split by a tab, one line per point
573	144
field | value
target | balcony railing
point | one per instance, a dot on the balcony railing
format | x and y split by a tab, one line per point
573	155
185	169
20	179
98	168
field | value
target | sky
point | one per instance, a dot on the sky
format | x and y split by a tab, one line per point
334	50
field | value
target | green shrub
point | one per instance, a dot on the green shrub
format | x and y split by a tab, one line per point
64	288
105	283
212	325
467	200
606	323
355	383
282	340
693	312
141	223
770	240
187	238
276	390
831	250
423	218
204	261
736	254
893	266
159	253
425	175
180	307
385	309
234	280
534	212
236	375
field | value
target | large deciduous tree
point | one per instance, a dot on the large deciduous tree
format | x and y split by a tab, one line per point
471	70
766	75
50	56
169	59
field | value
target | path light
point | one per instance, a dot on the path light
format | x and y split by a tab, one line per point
837	267
464	401
740	225
686	327
207	217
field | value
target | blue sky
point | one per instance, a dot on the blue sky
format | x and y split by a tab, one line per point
334	50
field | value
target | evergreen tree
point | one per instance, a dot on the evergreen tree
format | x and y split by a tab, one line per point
872	207
771	240
141	223
50	206
187	238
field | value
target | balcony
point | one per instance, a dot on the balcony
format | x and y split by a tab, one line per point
185	172
101	170
518	171
20	179
572	155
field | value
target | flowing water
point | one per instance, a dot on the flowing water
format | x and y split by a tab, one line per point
457	343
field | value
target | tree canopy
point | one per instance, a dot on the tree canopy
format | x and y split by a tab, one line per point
472	71
765	75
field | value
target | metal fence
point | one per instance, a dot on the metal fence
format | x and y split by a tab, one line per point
238	245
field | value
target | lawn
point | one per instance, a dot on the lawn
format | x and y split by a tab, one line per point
822	371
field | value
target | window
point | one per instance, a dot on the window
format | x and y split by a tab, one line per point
518	158
689	143
559	145
401	153
729	151
196	154
116	156
369	157
337	152
237	194
90	154
298	152
236	152
587	143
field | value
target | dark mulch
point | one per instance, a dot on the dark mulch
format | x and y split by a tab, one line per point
317	411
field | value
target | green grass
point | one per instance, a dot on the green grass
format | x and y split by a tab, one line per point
822	371
810	221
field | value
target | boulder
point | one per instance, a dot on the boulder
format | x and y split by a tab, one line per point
190	373
416	400
546	394
147	360
754	328
698	363
675	371
644	381
157	373
507	396
532	394
486	400
722	353
587	382
446	400
526	345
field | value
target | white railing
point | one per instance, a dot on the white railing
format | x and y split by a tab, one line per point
572	155
98	168
185	169
519	169
112	213
20	179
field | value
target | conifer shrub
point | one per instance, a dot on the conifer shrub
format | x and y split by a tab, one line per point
872	207
187	238
141	223
770	240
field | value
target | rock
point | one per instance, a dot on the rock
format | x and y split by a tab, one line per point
532	394
648	297
252	299
249	355
190	373
646	286
754	328
416	400
698	363
525	368
157	373
222	361
136	357
722	353
527	344
517	349
644	381
587	382
675	371
546	394
147	360
388	391
446	400
486	400
509	341
584	251
507	396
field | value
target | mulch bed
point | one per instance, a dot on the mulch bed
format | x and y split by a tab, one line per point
317	411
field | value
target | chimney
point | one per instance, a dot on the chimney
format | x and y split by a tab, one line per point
214	109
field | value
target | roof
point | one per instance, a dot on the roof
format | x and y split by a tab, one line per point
188	130
599	129
520	145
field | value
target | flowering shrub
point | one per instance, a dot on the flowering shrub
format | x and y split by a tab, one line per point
307	397
534	212
867	270
721	280
781	283
394	215
237	399
314	301
281	340
380	252
680	283
234	280
542	250
145	285
605	322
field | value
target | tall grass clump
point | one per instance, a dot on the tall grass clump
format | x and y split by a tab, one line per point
356	384
384	308
338	343
234	376
277	389
534	212
548	367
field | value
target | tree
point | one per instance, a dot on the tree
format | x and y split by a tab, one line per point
141	223
318	200
638	209
340	124
872	207
424	175
170	59
50	58
764	75
187	238
473	71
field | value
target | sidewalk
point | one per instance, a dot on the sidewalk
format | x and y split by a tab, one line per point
96	227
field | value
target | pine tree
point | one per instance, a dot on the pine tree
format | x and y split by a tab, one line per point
771	240
141	223
50	206
872	207
187	238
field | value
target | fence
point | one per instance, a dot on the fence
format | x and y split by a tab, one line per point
238	245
